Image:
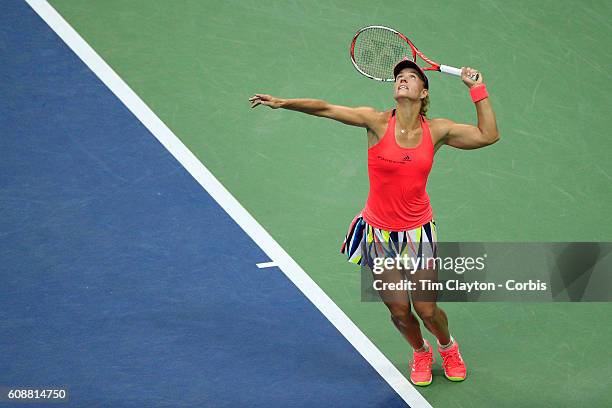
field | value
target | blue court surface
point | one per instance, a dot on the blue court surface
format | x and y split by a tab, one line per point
123	281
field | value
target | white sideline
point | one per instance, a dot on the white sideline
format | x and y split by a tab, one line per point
276	253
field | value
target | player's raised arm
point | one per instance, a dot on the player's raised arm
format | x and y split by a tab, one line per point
361	116
463	136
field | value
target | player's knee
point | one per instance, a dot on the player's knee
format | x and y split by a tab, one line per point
399	311
402	314
426	312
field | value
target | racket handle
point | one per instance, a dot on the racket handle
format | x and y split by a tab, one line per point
450	70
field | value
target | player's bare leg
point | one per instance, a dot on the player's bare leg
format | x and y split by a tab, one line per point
398	303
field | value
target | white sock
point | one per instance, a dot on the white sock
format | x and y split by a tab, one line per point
450	343
424	348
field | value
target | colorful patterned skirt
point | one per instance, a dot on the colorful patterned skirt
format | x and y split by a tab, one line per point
363	243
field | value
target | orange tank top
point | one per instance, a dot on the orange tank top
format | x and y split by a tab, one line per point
397	200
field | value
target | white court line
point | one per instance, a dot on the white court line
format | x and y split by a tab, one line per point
278	255
266	264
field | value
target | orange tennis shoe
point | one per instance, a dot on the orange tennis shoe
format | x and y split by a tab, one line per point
420	369
454	367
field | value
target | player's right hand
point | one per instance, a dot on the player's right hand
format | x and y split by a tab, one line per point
263	99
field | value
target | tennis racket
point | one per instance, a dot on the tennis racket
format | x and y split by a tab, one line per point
375	50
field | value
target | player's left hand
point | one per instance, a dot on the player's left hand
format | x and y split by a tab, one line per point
468	76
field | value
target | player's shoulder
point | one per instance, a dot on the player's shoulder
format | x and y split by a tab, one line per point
368	110
441	125
440	122
373	114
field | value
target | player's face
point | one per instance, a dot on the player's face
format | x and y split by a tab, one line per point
408	84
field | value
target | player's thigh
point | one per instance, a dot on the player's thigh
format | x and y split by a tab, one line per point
391	285
424	295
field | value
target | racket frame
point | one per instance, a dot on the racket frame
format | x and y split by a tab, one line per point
434	66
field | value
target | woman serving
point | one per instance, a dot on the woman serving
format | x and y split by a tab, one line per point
401	146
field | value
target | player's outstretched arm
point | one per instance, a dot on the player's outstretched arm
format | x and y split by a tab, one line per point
361	116
464	136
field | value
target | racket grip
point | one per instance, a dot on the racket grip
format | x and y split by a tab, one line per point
450	70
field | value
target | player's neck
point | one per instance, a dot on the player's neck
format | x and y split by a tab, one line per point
408	114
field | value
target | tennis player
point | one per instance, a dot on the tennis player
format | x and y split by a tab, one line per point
398	215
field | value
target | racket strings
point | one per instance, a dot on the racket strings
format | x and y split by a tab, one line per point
377	50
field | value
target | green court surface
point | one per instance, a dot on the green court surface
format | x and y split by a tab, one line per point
546	63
